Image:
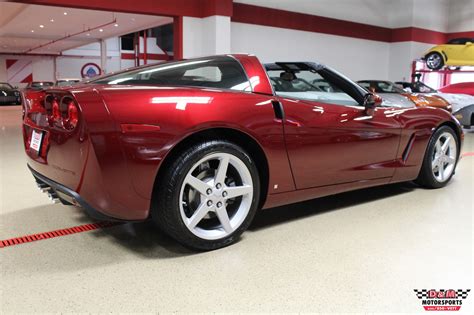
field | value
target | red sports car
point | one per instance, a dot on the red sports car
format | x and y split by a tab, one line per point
199	145
459	88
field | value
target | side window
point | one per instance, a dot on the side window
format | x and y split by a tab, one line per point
219	72
309	85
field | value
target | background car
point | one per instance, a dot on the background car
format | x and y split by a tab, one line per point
9	95
459	88
462	104
39	85
456	52
388	90
203	146
66	82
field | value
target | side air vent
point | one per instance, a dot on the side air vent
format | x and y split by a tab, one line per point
406	152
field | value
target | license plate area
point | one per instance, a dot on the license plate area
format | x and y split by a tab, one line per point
36	141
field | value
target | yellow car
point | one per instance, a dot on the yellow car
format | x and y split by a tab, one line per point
456	52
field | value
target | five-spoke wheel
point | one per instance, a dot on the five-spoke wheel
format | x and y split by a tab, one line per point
208	196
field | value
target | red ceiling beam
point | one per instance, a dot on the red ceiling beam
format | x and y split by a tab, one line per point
194	8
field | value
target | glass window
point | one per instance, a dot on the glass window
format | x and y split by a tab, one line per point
217	72
309	85
381	87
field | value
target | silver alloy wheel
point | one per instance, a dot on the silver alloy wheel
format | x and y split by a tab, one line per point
216	196
433	61
444	157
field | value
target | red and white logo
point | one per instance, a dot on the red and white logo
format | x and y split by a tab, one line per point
441	300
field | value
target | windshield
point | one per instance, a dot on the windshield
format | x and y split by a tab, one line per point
66	82
5	86
216	72
420	87
381	87
41	84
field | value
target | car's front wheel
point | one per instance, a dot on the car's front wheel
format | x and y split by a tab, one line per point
434	61
207	196
440	159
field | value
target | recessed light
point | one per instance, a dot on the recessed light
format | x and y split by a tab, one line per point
41	26
52	20
116	25
88	34
101	30
65	13
32	31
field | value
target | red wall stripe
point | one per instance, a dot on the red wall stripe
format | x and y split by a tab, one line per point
10	62
57	233
250	14
131	56
195	8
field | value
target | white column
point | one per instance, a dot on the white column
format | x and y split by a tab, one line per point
103	56
206	36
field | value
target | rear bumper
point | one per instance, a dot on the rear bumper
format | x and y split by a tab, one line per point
68	196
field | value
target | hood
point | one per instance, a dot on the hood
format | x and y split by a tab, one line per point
457	101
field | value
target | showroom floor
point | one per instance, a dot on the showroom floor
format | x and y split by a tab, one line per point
360	251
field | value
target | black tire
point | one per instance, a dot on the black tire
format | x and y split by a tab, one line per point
426	178
436	56
165	205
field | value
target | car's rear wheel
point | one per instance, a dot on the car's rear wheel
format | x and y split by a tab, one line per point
208	196
440	159
434	61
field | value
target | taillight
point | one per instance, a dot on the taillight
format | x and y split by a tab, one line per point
62	111
70	114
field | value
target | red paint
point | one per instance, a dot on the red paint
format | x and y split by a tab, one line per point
116	150
244	13
194	8
130	128
465	154
250	14
131	56
459	88
178	38
57	233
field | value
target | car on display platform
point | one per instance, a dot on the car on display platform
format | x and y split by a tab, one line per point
200	145
389	91
9	95
462	104
456	52
459	88
39	85
66	82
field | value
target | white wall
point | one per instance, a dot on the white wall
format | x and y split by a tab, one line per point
461	16
357	58
42	68
207	36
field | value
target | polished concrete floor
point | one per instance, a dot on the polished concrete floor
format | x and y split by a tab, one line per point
363	251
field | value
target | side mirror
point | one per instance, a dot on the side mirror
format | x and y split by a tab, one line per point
370	102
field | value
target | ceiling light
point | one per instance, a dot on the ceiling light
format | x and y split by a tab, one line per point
116	25
88	34
65	13
52	20
41	26
101	30
32	31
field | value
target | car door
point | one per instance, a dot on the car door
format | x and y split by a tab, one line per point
331	140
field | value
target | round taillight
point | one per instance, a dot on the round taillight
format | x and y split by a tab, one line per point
73	116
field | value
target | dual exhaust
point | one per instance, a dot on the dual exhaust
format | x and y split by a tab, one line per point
52	194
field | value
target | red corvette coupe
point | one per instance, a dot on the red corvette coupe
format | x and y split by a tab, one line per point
199	145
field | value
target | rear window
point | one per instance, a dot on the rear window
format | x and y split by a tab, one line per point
216	72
